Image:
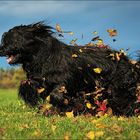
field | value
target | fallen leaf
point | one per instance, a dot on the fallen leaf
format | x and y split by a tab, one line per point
97	70
117	128
90	135
53	127
37	133
100	125
99	134
109	111
70	114
66	136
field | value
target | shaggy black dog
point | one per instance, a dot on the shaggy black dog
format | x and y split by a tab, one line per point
77	78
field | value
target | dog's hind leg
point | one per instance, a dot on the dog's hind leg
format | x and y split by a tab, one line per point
57	96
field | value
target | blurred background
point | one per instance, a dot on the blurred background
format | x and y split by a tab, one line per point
81	17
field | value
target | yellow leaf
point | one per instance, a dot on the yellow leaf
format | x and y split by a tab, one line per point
117	128
117	56
100	125
58	28
70	33
95	32
37	133
121	118
53	127
90	135
70	114
88	105
97	70
90	44
73	41
48	98
133	62
80	50
40	90
74	55
99	133
62	89
112	32
66	137
139	116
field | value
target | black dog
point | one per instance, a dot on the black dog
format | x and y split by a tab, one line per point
79	78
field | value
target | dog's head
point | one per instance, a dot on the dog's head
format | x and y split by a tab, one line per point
21	43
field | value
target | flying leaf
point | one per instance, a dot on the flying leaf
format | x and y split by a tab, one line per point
70	33
70	114
74	55
97	70
48	98
73	41
62	89
58	28
95	32
133	62
80	50
112	32
40	90
117	56
90	135
90	44
88	105
95	38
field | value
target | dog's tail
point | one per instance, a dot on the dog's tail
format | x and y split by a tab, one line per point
28	92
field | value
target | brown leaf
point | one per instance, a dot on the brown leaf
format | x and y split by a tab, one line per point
112	32
70	114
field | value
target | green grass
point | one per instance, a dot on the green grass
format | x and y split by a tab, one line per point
20	122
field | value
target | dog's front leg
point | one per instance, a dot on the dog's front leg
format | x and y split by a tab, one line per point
57	96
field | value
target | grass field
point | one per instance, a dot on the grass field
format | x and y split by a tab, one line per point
20	122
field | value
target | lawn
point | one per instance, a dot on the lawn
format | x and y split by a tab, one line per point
18	121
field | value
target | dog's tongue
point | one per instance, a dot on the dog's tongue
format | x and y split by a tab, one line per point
10	59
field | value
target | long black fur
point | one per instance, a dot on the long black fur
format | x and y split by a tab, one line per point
51	64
